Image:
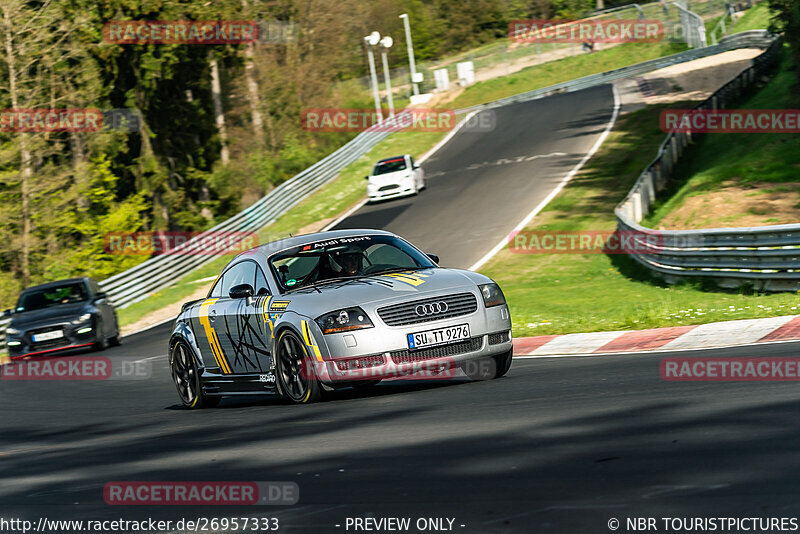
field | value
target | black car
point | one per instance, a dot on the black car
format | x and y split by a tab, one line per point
63	315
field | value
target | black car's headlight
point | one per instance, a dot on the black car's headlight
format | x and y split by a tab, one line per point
492	295
343	320
12	331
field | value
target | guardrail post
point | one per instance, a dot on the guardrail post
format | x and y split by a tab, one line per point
637	206
651	186
658	177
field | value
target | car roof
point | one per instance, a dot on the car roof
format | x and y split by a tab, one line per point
268	249
83	279
393	157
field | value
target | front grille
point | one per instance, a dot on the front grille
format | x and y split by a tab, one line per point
403	314
360	363
499	337
388	187
407	356
47	343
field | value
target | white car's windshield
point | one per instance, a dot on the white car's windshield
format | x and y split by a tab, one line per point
391	165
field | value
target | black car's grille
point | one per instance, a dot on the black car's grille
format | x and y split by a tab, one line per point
407	356
404	314
388	187
499	337
47	343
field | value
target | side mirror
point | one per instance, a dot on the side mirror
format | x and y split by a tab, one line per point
366	177
415	166
7	313
434	258
100	296
241	291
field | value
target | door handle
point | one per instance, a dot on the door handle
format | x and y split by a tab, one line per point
212	315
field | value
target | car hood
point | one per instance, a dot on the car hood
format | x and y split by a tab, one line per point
382	289
64	312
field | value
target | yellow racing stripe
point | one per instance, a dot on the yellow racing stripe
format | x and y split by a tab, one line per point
310	341
211	336
267	320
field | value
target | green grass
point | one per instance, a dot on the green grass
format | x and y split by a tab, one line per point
755	18
345	191
349	187
563	70
563	293
746	158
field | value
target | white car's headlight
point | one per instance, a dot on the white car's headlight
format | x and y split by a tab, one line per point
343	320
492	295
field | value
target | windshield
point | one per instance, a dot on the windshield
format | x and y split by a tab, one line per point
345	258
37	299
391	165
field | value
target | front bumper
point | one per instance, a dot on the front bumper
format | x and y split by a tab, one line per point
22	345
383	352
404	188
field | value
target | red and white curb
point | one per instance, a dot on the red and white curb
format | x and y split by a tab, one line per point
711	335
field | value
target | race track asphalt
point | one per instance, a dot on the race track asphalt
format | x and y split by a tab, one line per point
559	445
480	185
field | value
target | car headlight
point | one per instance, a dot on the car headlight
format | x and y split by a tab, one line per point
492	295
83	318
12	331
343	320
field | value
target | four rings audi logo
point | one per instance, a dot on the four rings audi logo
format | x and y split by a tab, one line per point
432	308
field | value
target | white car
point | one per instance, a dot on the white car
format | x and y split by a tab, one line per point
395	177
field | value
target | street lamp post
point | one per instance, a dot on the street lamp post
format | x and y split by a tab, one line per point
386	44
410	48
372	40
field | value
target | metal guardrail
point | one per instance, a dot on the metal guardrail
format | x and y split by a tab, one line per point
159	272
750	39
694	28
767	256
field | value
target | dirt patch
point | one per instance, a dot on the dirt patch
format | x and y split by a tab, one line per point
698	79
691	81
737	205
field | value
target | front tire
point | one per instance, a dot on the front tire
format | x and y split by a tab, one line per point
503	362
100	343
296	376
490	367
187	378
116	339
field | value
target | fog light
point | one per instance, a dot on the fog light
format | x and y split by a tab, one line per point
14	343
84	330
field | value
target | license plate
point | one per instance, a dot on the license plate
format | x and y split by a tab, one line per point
438	336
46	336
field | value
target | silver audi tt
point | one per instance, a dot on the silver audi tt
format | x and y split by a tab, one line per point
349	308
